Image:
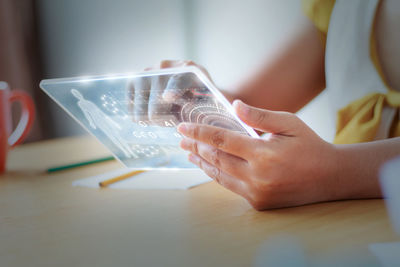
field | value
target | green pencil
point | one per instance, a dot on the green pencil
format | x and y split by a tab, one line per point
78	164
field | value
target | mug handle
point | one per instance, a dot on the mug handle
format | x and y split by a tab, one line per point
27	116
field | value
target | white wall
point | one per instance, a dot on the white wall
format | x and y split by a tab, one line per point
103	36
233	37
85	37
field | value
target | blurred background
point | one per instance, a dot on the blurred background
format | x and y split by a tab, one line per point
42	39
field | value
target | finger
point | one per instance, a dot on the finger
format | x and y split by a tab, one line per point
131	97
235	185
228	163
185	87
268	121
228	141
141	89
169	64
191	63
157	107
175	63
164	64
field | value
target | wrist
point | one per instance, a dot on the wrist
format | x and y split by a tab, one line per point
331	174
338	174
353	176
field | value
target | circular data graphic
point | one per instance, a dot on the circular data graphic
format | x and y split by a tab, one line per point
211	114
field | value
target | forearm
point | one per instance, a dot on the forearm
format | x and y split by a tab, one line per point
357	166
290	80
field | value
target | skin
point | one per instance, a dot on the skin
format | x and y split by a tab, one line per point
294	166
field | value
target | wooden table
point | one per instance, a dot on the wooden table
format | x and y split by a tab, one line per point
44	221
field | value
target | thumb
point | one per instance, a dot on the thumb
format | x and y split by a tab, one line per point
266	120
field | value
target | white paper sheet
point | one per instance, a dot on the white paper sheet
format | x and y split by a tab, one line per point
154	179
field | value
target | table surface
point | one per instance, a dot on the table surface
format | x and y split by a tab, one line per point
45	221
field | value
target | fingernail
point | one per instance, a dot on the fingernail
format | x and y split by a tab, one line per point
237	102
183	128
185	144
240	106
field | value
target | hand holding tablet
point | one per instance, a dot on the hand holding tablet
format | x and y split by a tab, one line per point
136	115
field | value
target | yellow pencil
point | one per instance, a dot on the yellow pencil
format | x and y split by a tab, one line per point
119	178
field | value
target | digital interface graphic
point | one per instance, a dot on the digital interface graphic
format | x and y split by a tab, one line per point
135	116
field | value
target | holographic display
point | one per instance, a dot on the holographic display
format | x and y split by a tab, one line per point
135	116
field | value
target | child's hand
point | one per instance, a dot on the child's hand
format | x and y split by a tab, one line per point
294	166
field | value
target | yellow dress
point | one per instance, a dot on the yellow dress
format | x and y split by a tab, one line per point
367	108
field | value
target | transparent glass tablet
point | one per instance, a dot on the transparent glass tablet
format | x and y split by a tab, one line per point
136	116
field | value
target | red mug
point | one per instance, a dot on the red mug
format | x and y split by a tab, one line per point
9	138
